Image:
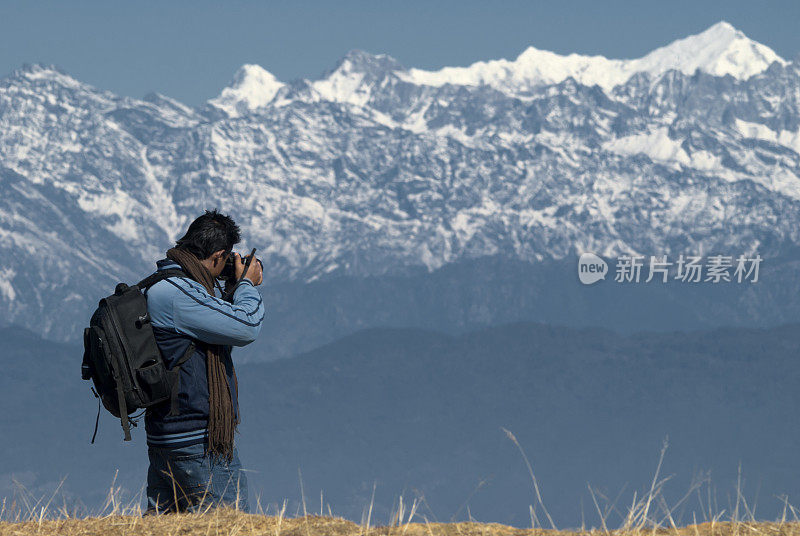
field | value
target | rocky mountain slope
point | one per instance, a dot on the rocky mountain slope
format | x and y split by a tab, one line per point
378	170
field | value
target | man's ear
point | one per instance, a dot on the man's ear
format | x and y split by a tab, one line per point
217	256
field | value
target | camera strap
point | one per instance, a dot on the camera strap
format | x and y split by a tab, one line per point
229	295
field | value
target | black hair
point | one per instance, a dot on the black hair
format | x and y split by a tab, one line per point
209	233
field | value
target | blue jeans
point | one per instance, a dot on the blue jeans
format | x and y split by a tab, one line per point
189	479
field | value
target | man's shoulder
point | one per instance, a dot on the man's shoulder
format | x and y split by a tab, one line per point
166	288
181	286
173	293
172	285
162	288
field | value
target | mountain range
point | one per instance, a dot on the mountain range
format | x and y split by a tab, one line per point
375	178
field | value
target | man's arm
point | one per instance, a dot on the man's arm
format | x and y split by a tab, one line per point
212	320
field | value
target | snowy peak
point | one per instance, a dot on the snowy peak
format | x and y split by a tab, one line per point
719	50
37	73
532	68
33	71
353	79
252	87
163	101
358	61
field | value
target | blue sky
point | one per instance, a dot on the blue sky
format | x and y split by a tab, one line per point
190	50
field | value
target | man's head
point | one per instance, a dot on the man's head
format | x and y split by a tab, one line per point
211	238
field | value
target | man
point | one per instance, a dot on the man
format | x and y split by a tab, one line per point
193	459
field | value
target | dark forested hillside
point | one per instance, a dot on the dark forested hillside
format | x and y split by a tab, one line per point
422	413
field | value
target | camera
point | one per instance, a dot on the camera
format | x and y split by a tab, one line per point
228	273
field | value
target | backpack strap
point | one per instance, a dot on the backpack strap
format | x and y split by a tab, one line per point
175	375
97	419
123	410
175	372
160	275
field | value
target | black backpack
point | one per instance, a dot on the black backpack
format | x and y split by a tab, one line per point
121	356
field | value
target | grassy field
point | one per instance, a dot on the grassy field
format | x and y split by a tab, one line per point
230	522
647	515
643	518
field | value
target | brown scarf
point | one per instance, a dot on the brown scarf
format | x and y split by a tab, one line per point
221	420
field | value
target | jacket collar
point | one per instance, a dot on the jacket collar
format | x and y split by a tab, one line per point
167	264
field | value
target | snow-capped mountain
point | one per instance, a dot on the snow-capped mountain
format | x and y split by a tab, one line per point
252	87
720	50
375	169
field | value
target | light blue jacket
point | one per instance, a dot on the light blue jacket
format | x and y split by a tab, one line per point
182	311
184	305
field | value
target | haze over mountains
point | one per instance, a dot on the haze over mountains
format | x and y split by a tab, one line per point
420	413
377	179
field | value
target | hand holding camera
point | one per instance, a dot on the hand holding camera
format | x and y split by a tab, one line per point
237	266
255	273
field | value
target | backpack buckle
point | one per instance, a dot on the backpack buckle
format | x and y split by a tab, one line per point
142	320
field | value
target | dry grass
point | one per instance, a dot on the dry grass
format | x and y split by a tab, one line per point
231	522
647	515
